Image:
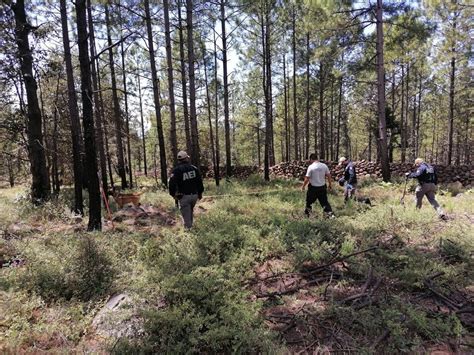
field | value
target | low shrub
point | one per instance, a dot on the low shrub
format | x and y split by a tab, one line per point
84	274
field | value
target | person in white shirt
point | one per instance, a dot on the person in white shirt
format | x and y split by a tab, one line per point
316	178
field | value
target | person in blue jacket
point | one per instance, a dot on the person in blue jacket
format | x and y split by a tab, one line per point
349	180
427	181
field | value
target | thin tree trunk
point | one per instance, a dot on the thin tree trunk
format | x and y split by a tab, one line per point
40	189
209	113
226	91
169	62
269	153
195	154
413	123
116	106
142	124
127	116
98	105
452	77
402	117
105	130
216	83
88	118
156	96
382	141
295	113
338	132
418	118
76	136
331	133
322	139
307	100
287	123
187	130
55	169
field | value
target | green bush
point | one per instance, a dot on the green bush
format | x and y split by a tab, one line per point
84	274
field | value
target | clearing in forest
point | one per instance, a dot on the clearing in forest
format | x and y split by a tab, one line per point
254	275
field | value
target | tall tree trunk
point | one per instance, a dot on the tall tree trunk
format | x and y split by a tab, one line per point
98	104
382	141
322	152
40	188
306	150
216	118
402	117
195	153
339	108
105	130
331	132
116	104
169	62
142	123
187	130
88	118
295	113
269	153
418	118
209	113
125	97
73	116
55	167
226	90
156	96
287	123
413	123
452	77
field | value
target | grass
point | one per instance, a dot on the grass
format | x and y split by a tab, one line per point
199	291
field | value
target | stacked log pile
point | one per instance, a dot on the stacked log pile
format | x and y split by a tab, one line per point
446	174
239	172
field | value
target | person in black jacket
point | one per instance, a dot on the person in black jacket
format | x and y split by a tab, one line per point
427	181
349	180
186	186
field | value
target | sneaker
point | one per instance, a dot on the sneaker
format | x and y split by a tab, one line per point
330	215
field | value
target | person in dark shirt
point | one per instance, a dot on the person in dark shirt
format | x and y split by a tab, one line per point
349	180
185	185
427	181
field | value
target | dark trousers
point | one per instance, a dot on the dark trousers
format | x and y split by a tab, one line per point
319	193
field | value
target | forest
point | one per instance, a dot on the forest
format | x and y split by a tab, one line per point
98	97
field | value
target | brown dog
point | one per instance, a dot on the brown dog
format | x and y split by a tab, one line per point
124	198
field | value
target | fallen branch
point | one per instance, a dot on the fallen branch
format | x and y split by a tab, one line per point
337	260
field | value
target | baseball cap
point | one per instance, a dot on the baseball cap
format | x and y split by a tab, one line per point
182	155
